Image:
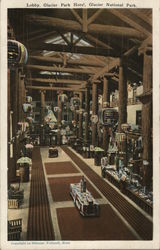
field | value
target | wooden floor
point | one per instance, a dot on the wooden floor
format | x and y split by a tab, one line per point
72	225
39	219
142	225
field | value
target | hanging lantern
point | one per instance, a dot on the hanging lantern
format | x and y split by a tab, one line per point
28	99
125	127
27	107
74	103
17	53
94	119
108	116
63	98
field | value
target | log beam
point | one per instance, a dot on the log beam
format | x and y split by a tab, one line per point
94	16
85	23
59	69
129	21
79	62
70	25
75	14
65	81
74	49
55	88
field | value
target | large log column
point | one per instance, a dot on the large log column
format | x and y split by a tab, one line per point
106	100
122	103
21	96
42	105
94	112
147	115
80	134
87	110
147	109
59	119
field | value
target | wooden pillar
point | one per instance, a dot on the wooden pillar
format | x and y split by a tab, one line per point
147	109
59	119
87	110
94	112
106	100
42	105
21	100
122	103
14	78
81	117
147	116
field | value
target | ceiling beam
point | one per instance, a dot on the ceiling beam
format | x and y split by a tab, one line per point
55	88
106	69
42	36
75	14
79	62
65	81
85	21
129	21
65	39
94	16
74	49
70	25
59	69
96	41
114	63
142	16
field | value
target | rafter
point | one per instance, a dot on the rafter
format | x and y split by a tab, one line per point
129	21
142	16
94	16
79	19
85	21
42	36
96	41
65	38
106	69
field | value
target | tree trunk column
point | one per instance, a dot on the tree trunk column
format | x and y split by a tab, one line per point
42	105
80	132
59	119
147	117
106	100
94	112
87	110
21	97
147	109
122	102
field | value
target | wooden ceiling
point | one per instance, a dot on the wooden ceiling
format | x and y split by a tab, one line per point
70	47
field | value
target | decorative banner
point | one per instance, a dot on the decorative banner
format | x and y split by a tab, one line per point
94	119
